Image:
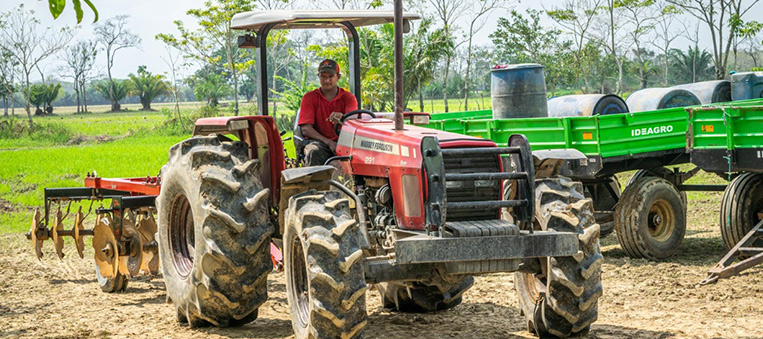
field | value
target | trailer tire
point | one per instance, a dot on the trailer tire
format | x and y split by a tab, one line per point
740	207
443	294
650	219
645	173
572	284
111	285
325	281
214	232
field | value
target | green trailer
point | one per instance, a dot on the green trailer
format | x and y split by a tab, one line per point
729	140
648	142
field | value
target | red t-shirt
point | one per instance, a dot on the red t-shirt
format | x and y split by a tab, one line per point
315	109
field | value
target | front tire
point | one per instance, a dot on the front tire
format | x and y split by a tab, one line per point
325	281
214	232
562	299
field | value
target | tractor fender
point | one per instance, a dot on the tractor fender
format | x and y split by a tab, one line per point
549	162
298	180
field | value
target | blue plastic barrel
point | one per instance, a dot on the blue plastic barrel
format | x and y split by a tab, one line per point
518	91
746	86
709	92
586	105
650	99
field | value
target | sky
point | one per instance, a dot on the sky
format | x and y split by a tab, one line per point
150	17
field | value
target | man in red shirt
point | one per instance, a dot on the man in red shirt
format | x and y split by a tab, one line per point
320	110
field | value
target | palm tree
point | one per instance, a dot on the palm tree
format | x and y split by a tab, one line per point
147	86
692	66
120	89
211	88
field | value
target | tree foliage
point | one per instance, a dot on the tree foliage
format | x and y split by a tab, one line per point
57	7
147	86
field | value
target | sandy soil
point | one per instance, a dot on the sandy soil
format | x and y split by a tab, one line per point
642	299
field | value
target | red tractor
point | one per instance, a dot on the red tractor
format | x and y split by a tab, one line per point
427	210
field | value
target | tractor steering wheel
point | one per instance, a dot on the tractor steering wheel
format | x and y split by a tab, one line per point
359	112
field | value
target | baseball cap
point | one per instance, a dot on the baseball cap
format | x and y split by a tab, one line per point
329	66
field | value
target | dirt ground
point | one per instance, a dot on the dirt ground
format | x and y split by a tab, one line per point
642	299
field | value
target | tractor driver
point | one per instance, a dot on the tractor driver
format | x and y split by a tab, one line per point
320	110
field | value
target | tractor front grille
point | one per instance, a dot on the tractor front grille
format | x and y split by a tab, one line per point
468	191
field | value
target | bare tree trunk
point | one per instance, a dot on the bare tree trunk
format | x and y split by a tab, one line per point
421	98
468	73
5	105
445	83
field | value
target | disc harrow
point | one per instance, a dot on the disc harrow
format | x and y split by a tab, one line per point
123	235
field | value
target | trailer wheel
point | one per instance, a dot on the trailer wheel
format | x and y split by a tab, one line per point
325	282
650	219
741	208
604	201
645	173
111	285
214	232
562	299
418	297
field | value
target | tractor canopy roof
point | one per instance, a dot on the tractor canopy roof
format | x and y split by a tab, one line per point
315	19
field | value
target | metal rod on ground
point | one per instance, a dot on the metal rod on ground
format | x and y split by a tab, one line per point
398	65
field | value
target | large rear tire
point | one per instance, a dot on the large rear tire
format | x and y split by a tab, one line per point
650	219
741	208
443	294
562	299
214	232
325	281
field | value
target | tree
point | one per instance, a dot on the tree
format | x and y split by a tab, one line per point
147	86
215	34
112	89
7	86
42	97
665	35
114	36
518	40
692	66
576	17
424	50
448	11
723	18
80	60
57	7
480	12
173	62
641	15
27	45
211	88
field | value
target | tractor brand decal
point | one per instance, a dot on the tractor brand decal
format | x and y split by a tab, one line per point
376	145
651	130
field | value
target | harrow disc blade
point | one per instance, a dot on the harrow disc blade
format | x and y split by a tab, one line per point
147	229
37	242
58	240
134	256
79	241
106	250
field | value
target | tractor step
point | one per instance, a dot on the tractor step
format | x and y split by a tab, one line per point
479	228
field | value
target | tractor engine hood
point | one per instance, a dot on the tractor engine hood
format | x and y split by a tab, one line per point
377	150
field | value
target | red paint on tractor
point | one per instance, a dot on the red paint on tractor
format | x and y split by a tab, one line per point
379	151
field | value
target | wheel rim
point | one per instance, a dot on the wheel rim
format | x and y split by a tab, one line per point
661	220
182	235
300	290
